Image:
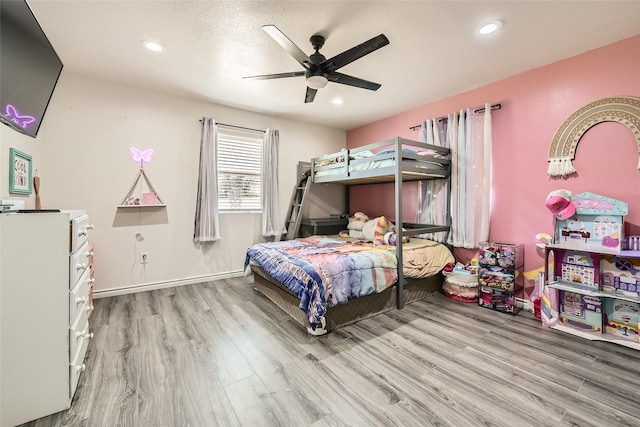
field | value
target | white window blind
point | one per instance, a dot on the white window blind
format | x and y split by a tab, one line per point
239	169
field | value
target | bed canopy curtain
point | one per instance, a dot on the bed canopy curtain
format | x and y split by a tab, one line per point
469	136
207	221
271	225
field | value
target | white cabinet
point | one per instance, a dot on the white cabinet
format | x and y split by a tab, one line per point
40	359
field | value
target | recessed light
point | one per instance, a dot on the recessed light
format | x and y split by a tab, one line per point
153	46
337	101
489	27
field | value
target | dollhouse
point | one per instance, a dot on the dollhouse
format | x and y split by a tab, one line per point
592	274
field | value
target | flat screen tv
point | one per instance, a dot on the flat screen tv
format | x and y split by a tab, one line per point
29	68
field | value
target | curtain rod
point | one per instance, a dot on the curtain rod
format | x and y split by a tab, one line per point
476	110
237	127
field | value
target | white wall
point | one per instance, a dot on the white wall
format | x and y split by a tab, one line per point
82	156
12	139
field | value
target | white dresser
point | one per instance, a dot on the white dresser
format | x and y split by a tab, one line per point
44	308
80	305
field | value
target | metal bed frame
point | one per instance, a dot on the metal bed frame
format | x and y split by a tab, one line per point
411	167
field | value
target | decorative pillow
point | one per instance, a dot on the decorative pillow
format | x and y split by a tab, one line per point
375	229
357	221
382	226
431	153
357	234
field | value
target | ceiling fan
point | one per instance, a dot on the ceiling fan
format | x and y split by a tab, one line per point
319	70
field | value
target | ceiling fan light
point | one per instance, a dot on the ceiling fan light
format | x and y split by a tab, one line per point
317	82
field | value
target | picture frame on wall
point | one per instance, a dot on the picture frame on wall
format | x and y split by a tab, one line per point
20	172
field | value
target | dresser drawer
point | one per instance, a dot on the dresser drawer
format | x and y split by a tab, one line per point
77	365
79	232
79	331
79	297
78	264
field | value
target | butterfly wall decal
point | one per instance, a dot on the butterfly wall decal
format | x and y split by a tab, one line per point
22	121
141	155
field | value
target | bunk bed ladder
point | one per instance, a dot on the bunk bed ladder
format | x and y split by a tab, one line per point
298	198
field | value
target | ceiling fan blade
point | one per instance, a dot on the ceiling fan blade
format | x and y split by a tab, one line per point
288	45
310	95
356	52
352	81
276	76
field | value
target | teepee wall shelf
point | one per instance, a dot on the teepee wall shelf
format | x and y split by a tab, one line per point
147	199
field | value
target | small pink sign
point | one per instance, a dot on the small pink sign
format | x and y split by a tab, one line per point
149	199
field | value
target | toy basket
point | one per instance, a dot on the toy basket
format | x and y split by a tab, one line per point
461	287
461	279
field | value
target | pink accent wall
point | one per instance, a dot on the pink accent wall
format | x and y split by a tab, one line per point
534	105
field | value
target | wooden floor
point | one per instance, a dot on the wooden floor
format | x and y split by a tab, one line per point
220	354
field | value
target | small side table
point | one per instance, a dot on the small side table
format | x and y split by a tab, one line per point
322	226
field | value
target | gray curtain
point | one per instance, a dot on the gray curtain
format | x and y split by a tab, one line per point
207	221
271	224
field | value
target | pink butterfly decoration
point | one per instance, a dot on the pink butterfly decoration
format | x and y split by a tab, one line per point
138	155
23	121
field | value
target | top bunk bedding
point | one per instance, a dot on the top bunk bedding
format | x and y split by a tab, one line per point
377	162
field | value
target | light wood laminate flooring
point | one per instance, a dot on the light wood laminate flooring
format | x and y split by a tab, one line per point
221	354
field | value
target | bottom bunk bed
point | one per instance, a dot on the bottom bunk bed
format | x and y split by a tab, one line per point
325	282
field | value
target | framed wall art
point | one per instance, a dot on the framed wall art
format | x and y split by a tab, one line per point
20	172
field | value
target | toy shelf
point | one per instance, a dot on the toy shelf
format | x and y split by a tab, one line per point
628	254
592	281
621	254
566	286
596	336
599	250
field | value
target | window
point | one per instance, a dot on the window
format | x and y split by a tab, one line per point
239	169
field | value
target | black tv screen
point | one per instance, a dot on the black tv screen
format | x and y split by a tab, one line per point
29	68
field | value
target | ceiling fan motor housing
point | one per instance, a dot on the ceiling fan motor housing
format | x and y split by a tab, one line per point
317	41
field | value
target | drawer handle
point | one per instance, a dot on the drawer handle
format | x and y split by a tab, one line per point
90	253
81	266
92	280
82	233
80	300
89	227
89	308
80	368
84	334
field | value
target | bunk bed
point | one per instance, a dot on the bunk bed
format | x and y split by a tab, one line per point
393	161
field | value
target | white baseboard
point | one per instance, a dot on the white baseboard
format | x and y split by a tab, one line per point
525	304
123	290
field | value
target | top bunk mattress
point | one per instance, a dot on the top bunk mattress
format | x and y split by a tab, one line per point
378	163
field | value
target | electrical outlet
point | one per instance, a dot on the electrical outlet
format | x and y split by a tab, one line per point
144	257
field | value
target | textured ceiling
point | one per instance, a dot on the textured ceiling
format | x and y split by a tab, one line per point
432	54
